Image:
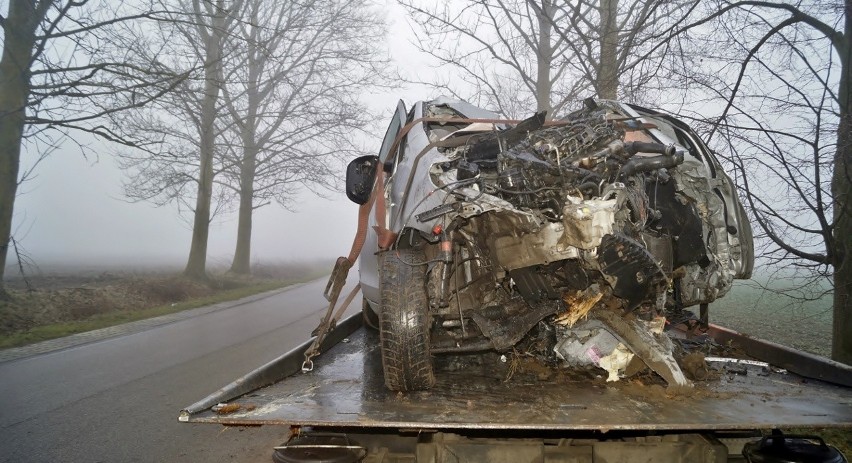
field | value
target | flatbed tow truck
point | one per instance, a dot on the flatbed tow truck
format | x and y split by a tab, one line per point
609	215
484	409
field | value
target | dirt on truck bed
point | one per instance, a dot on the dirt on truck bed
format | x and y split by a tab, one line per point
499	392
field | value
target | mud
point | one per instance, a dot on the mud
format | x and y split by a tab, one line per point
641	383
695	367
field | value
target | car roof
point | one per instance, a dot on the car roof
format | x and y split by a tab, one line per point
463	107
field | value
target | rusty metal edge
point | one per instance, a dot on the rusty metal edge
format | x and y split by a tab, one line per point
796	361
274	371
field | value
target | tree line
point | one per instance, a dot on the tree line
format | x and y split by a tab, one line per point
219	104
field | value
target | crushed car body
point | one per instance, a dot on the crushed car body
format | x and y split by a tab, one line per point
573	240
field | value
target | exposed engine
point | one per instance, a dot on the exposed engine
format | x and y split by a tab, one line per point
549	221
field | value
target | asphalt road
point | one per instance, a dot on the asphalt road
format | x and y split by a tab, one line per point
117	400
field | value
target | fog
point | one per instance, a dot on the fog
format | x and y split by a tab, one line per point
73	212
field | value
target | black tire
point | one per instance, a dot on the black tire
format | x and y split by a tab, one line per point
404	321
371	320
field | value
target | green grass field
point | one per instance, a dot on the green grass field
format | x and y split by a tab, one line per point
775	316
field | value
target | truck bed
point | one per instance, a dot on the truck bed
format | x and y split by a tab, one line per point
346	390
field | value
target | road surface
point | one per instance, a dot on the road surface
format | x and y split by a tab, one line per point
117	400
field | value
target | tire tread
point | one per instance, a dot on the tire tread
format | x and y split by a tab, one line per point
404	321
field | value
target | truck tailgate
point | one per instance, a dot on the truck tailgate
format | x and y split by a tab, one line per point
346	390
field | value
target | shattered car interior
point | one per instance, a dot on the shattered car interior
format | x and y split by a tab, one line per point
577	240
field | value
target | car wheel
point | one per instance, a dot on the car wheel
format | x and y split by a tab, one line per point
404	321
371	320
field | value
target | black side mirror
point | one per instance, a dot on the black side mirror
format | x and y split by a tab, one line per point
360	177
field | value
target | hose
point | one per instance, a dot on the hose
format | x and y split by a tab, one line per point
645	164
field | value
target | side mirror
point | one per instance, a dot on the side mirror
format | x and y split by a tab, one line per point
360	177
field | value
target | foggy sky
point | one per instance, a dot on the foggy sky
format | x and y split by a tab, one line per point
73	211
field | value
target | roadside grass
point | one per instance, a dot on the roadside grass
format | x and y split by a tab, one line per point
777	311
34	316
58	330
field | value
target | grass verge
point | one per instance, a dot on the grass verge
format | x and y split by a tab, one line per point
58	330
31	316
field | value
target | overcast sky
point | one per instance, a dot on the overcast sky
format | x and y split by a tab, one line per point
73	211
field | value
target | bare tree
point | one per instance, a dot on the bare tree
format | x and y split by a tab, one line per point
294	99
212	23
501	54
782	73
55	80
189	123
617	46
509	53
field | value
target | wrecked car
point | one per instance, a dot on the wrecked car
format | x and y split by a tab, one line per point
576	240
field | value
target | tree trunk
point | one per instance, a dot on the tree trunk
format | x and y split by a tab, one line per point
196	265
544	58
841	345
248	164
607	78
242	254
19	39
841	188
